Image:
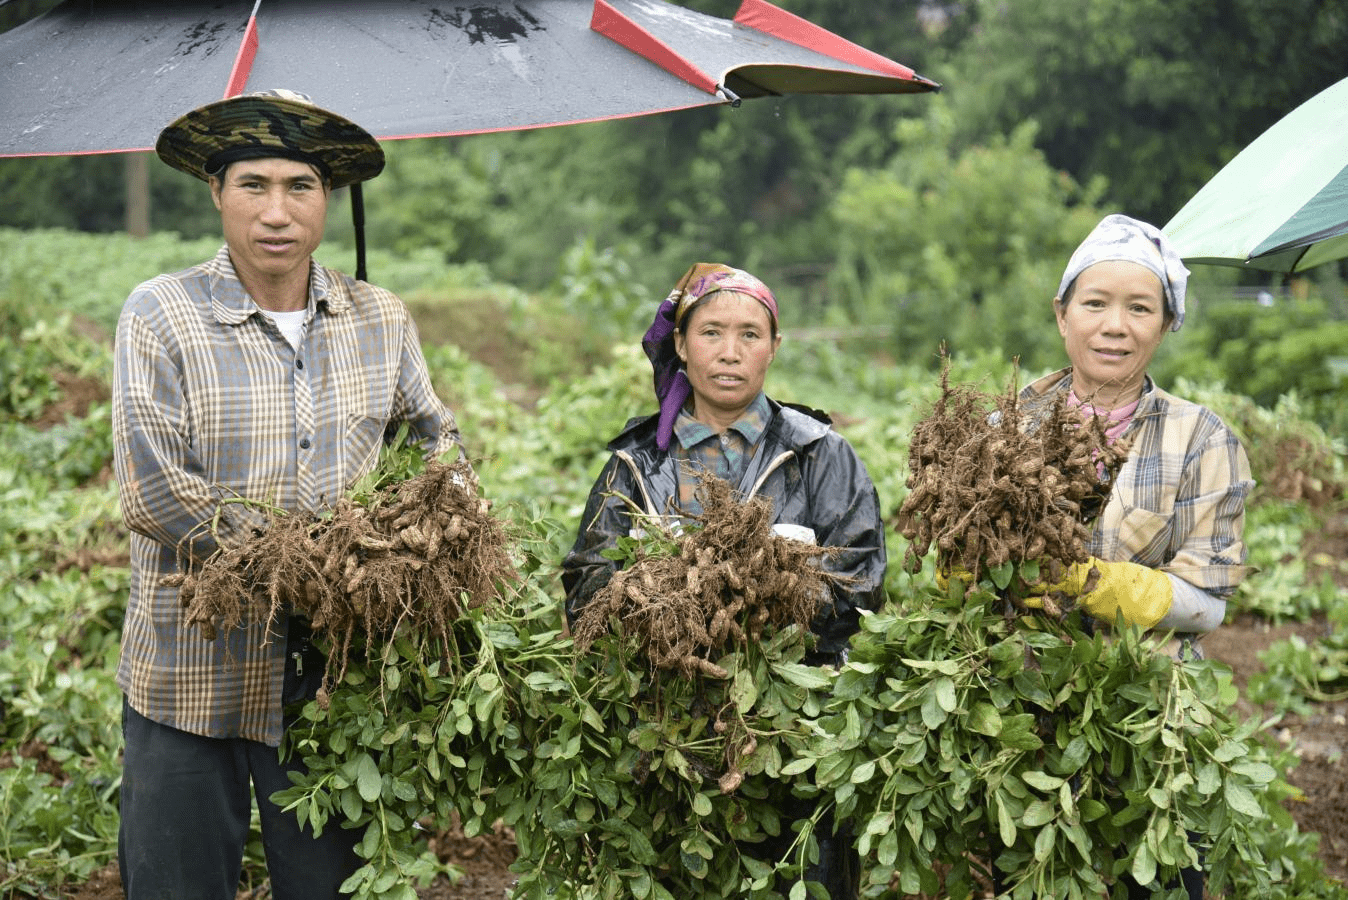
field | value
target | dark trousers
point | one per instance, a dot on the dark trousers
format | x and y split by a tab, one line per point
186	811
838	870
839	866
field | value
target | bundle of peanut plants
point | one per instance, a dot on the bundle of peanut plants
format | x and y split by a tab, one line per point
976	742
403	583
418	737
960	738
661	773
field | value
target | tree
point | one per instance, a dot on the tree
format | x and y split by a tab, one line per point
960	247
1154	96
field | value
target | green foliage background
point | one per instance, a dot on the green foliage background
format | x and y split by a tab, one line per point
888	226
905	222
916	219
535	427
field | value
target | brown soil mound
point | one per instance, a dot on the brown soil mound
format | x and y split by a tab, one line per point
78	395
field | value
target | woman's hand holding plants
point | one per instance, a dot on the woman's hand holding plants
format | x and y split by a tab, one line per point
1107	590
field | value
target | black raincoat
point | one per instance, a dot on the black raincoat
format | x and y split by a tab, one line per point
810	473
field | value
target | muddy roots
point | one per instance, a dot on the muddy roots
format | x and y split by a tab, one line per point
989	486
727	580
412	558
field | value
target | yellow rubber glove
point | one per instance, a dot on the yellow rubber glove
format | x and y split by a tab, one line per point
1142	594
959	573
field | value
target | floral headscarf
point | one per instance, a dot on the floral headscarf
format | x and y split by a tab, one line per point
671	381
1120	237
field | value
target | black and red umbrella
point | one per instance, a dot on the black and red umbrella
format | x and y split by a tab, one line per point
94	76
105	76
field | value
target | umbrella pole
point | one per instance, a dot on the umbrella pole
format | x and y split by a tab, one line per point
358	220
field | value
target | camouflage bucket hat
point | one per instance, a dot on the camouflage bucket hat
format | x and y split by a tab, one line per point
270	123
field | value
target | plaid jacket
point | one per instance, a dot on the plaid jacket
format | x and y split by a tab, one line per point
1178	502
211	404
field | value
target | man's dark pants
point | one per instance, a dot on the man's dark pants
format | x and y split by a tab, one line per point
186	811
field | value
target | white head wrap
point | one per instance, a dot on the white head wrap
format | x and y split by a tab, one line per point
1119	237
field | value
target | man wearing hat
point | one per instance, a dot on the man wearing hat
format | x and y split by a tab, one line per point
258	375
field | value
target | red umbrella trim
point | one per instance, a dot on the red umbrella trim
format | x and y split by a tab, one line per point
763	16
619	28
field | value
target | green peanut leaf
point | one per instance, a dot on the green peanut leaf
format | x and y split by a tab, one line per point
1042	781
888	850
351	804
1043	843
1018	732
1038	813
985	719
1144	865
744	692
1209	778
1006	826
1258	772
945	693
696	865
368	780
1239	798
933	715
801	675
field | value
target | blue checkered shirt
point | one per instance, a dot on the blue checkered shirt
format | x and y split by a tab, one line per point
698	447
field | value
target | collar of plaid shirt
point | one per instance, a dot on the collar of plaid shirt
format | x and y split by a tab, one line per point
724	455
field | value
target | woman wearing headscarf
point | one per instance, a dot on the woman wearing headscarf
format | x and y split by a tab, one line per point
1167	544
710	345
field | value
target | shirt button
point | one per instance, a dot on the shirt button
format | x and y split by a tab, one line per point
304	444
299	364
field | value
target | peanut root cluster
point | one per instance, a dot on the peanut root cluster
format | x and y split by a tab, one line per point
412	557
730	580
991	485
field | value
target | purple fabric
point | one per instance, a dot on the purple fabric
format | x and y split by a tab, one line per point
672	386
671	382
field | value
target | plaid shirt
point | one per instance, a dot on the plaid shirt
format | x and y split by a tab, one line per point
1178	502
212	404
726	455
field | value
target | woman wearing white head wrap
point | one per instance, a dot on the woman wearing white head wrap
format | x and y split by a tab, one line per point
1167	544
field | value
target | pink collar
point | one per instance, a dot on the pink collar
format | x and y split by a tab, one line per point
1116	420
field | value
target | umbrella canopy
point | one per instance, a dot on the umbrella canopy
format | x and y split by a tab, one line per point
97	76
1282	203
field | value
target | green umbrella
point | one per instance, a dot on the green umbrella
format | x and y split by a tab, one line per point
1282	203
